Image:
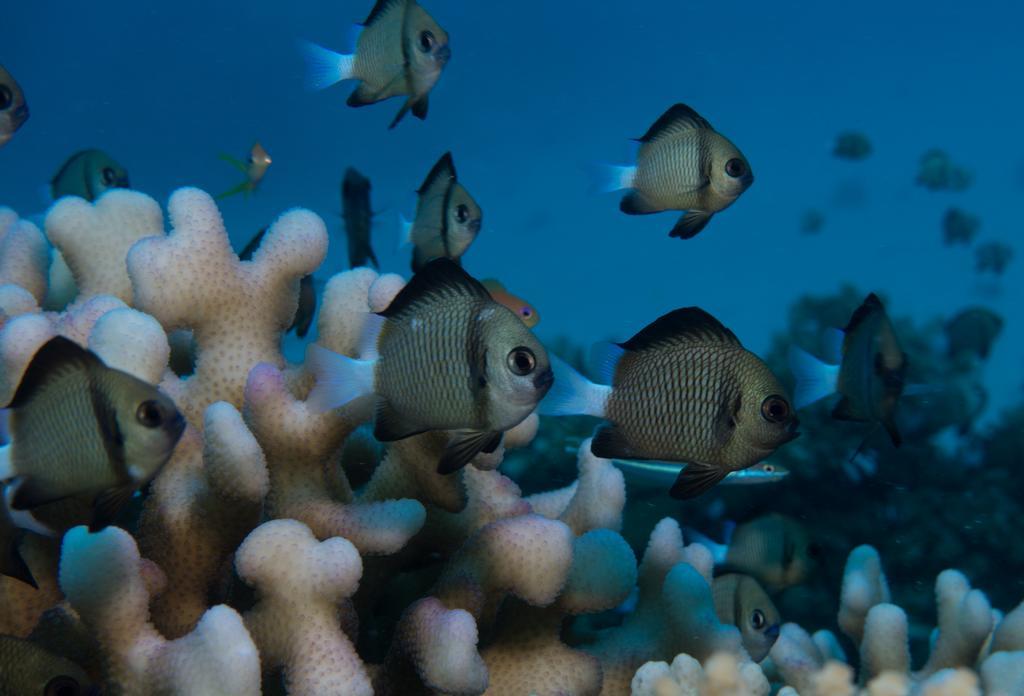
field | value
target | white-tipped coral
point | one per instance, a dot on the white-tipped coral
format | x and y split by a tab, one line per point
23	263
300	583
102	576
723	674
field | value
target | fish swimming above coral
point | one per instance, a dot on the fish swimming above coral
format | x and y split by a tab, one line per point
773	549
959	227
523	309
447	220
757	475
992	257
867	369
682	390
13	107
357	213
306	309
741	601
80	428
972	332
937	172
88	174
400	51
852	145
447	357
255	168
683	164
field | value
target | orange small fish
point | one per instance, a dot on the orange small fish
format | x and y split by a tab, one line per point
255	168
523	309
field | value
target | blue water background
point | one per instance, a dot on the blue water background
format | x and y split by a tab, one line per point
535	92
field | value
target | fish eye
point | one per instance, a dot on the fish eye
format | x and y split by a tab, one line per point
757	620
109	176
525	311
735	168
6	97
426	41
521	361
462	213
62	686
149	415
768	469
774	409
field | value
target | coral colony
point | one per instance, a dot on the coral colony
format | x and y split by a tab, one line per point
254	563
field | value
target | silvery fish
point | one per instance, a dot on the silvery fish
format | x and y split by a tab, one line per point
742	602
448	357
80	428
447	218
762	473
88	174
866	368
681	390
400	51
773	549
306	309
13	107
683	164
255	168
28	670
358	216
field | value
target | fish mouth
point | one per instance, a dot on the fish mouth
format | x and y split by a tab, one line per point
443	54
544	380
21	113
474	226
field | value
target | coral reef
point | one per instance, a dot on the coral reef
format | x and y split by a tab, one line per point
263	559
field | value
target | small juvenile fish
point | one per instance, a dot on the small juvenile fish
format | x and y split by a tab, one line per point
254	168
851	145
938	172
762	473
812	221
88	174
523	309
81	428
306	309
13	107
869	374
400	51
358	216
683	164
742	602
959	227
993	257
773	549
448	357
973	331
447	218
28	670
682	390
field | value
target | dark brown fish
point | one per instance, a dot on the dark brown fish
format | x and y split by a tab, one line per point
447	220
682	390
306	309
358	216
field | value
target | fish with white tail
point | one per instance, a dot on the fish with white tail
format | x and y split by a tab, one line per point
400	51
448	218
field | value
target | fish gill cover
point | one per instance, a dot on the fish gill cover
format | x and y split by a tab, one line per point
807	381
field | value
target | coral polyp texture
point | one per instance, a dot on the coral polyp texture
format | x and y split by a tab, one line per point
265	558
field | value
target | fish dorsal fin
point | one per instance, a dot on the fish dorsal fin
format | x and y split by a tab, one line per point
254	244
678	119
381	9
442	172
54	358
870	305
688	325
440	280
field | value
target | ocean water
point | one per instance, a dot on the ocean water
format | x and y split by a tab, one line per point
535	94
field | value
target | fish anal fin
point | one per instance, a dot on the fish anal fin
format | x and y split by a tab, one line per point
610	443
361	96
107	504
28	495
690	224
634	203
681	326
420	107
695	480
389	426
679	118
463	446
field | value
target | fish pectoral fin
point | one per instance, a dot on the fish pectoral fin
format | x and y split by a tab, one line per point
361	96
610	443
389	426
695	480
634	203
235	162
463	446
107	504
690	224
420	106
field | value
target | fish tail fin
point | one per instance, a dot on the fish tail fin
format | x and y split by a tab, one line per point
339	378
605	178
718	551
815	379
325	67
243	187
572	394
